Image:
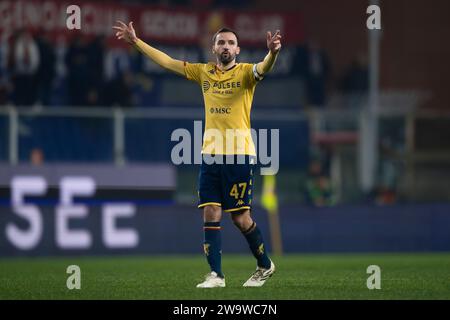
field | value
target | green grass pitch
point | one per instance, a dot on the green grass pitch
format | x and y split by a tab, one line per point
312	276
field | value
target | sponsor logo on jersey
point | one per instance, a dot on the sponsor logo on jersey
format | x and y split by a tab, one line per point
227	85
220	110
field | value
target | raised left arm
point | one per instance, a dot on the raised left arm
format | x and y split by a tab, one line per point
274	46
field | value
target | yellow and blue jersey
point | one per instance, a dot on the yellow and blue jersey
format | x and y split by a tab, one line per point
228	97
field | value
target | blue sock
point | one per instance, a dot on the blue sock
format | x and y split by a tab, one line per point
213	246
256	243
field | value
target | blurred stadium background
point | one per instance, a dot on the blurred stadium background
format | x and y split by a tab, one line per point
364	120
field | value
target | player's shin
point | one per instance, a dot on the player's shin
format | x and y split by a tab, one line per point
256	244
213	246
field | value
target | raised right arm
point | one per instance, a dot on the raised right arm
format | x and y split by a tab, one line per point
128	33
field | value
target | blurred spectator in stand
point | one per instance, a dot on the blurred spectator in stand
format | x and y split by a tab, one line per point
385	192
5	88
318	186
176	2
317	72
5	85
118	78
232	3
60	90
78	69
355	81
37	157
356	77
384	196
95	63
25	65
47	69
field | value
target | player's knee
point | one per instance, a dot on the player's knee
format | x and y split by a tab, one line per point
242	220
212	214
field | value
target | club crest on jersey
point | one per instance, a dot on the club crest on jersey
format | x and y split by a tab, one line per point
206	86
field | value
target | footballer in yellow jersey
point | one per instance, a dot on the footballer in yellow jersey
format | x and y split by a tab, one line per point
228	96
228	88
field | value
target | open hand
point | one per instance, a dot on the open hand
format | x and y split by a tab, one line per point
125	32
274	42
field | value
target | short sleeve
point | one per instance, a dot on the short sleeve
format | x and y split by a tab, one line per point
193	71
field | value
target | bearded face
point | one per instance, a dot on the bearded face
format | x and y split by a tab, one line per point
226	57
225	47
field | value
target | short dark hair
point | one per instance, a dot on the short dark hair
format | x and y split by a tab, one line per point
222	30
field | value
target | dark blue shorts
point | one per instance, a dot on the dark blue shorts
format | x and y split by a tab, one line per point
229	186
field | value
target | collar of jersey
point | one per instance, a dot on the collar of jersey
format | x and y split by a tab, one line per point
217	68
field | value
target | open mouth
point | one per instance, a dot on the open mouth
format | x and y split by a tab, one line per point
226	56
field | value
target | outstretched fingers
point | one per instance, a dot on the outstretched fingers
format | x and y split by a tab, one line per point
276	36
122	23
269	35
121	27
